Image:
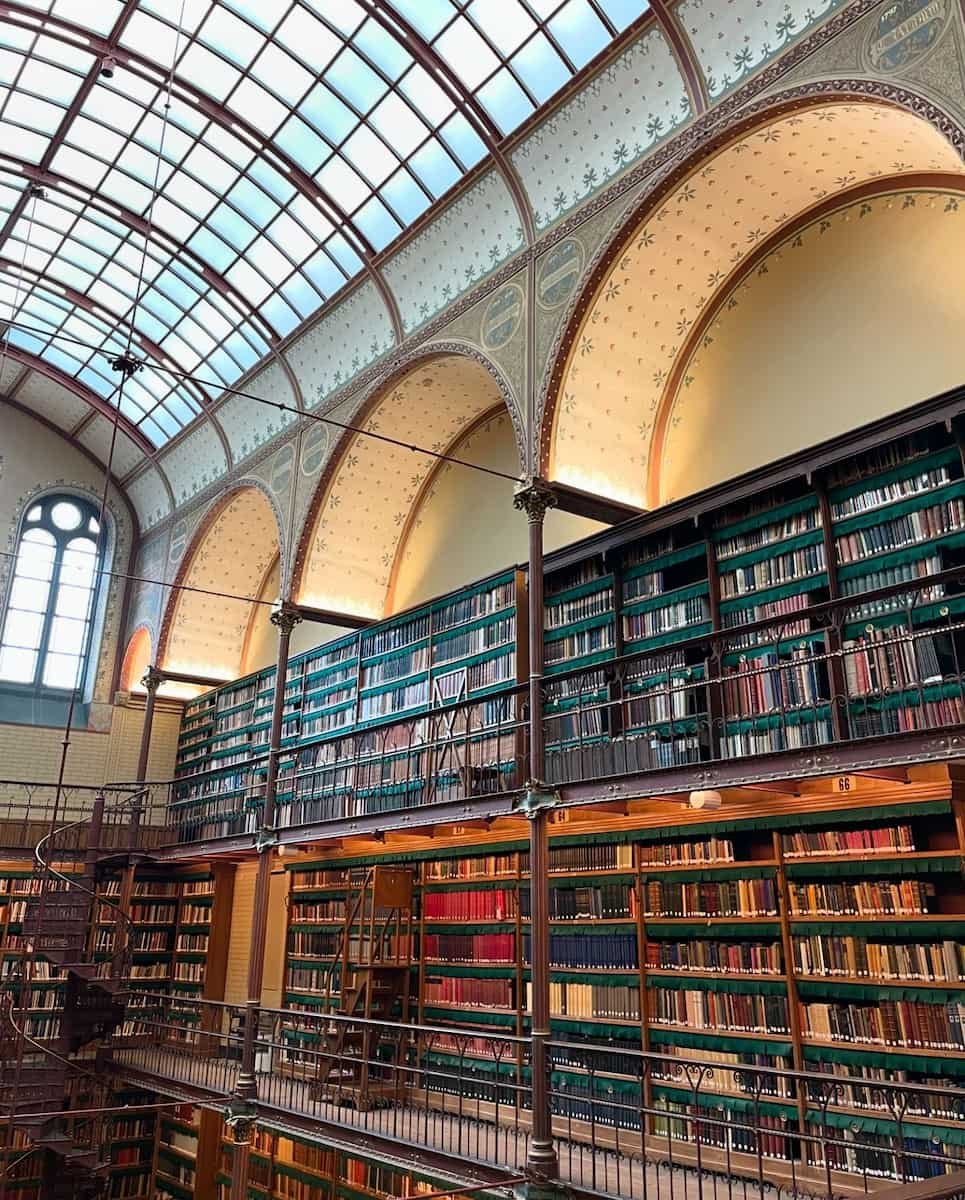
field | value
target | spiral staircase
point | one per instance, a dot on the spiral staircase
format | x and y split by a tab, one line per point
53	1089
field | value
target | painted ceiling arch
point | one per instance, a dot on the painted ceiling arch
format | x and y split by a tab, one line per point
624	356
855	314
365	497
230	553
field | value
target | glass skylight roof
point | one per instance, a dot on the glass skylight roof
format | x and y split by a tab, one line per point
303	136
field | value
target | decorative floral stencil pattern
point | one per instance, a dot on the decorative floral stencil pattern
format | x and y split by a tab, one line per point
149	497
899	252
732	38
232	557
96	436
625	353
52	401
355	333
248	424
194	462
612	123
456	250
363	515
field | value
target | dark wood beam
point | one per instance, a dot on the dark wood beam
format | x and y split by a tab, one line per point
325	616
593	507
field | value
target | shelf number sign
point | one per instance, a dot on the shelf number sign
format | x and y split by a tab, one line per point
844	783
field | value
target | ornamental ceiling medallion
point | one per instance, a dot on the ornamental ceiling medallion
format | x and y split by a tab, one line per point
905	33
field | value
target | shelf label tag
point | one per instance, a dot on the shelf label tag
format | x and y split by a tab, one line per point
844	783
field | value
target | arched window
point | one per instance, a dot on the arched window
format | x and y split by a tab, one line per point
53	596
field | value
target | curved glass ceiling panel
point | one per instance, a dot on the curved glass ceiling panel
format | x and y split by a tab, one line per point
302	138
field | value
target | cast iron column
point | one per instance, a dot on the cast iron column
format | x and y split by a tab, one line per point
246	1088
534	498
152	681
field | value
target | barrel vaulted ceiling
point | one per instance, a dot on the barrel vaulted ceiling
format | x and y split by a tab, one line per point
330	175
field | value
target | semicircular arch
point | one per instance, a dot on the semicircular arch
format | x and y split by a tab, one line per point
364	498
607	398
218	582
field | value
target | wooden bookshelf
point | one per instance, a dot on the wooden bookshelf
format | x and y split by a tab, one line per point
753	958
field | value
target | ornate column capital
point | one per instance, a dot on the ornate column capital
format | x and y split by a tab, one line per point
152	679
534	496
286	618
241	1118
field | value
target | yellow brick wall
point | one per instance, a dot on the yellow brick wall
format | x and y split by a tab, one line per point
32	752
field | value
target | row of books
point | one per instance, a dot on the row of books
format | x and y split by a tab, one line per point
305	979
308	878
884	577
195	914
318	910
890	491
861	957
670	854
906	530
780	568
769	610
879	898
721	1078
142	887
880	661
408	662
318	944
673	703
128	1186
595	1000
666	619
933	714
731	1133
759	958
719	1010
147	939
327	722
567	950
383	704
774	681
497	670
770	740
474	641
471	993
498	904
575	576
907	1023
875	1099
578	609
606	901
767	534
380	641
882	839
470	947
468	608
575	645
643	587
711	898
192	943
240	693
156	912
189	972
158	970
330	698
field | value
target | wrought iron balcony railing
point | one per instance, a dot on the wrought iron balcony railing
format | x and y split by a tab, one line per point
623	1119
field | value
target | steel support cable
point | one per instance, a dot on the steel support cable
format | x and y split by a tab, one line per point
35	193
126	365
280	406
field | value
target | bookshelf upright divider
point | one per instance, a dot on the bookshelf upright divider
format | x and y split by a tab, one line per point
787	946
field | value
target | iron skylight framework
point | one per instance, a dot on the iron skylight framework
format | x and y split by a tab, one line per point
302	138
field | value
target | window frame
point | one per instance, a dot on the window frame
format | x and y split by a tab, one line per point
103	542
